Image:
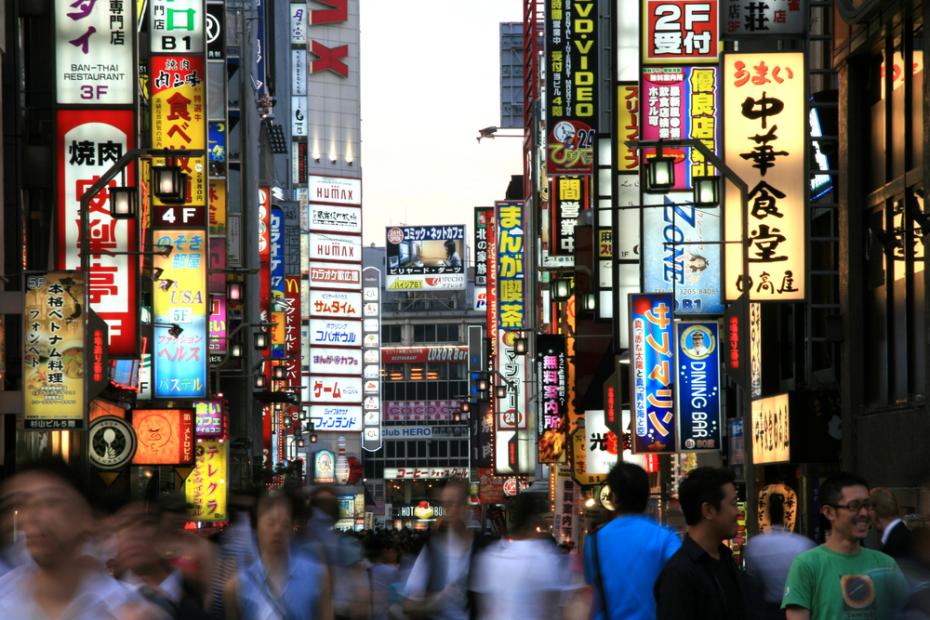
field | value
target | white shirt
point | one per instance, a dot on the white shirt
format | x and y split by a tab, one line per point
769	556
887	531
458	554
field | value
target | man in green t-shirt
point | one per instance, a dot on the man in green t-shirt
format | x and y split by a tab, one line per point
840	579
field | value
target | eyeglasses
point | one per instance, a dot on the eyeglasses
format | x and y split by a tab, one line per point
856	506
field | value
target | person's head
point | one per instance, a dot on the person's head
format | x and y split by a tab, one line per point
525	512
323	500
777	509
846	505
53	508
454	499
708	500
697	339
629	488
450	247
885	505
138	538
274	522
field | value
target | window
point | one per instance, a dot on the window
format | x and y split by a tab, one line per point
392	334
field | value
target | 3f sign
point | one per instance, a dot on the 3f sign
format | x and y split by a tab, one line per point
94	91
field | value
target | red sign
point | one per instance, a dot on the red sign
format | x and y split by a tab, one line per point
680	31
422	355
164	436
330	58
292	329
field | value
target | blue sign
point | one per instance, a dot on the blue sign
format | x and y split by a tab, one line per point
698	363
652	373
216	141
511	266
681	252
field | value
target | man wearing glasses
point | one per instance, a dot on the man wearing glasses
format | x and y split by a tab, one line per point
841	579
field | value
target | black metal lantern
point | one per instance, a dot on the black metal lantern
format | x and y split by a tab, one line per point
706	191
169	183
123	203
660	173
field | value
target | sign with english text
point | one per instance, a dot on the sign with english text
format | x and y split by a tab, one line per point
330	247
697	355
680	31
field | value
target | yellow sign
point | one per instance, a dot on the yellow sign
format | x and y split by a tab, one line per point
217	208
53	351
205	487
627	126
771	430
765	124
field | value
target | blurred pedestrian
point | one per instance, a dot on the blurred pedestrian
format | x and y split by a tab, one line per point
768	558
283	582
701	579
12	542
383	574
841	579
623	558
524	576
895	535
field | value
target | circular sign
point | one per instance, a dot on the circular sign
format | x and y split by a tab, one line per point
697	342
395	235
112	442
212	27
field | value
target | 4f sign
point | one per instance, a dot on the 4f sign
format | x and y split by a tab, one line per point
680	31
176	26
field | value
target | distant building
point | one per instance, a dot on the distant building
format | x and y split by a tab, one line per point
511	75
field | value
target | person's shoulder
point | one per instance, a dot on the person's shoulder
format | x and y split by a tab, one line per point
877	558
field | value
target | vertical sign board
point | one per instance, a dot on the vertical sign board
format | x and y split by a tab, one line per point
371	359
681	252
628	123
652	373
698	364
292	341
53	351
765	126
680	32
571	69
276	238
176	26
482	216
179	303
569	196
511	263
205	487
552	421
89	142
771	430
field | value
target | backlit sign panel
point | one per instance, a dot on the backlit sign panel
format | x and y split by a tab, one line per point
511	263
698	364
163	436
176	26
771	430
680	31
652	372
206	487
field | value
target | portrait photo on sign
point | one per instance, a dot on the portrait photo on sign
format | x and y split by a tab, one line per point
697	342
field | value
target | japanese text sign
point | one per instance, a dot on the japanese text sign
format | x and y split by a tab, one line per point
483	215
346	418
53	351
327	389
163	436
680	31
698	363
552	423
765	126
176	26
511	264
205	488
93	51
652	373
602	446
752	17
629	117
208	418
771	429
425	257
571	74
570	195
179	301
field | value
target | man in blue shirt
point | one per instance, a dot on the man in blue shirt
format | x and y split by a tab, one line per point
623	559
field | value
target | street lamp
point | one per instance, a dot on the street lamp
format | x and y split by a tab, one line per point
169	183
483	382
235	350
280	372
706	191
589	302
501	391
660	173
561	289
260	382
123	203
519	346
234	291
261	341
466	407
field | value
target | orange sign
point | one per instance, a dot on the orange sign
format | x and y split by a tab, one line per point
165	436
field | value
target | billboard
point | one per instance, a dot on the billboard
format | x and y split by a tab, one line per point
438	354
569	196
697	358
571	82
680	31
163	436
765	122
336	304
771	430
335	218
421	410
425	258
94	52
681	252
335	361
343	276
552	423
205	487
511	263
480	246
53	351
327	332
89	142
331	247
179	302
326	389
346	418
176	26
652	372
334	190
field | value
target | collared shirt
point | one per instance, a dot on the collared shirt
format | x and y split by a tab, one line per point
694	586
887	531
769	557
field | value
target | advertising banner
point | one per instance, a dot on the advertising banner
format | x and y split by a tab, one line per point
511	262
205	488
371	293
425	473
421	355
421	410
681	252
602	446
771	430
331	247
176	26
515	437
335	361
483	215
697	354
425	257
652	373
299	24
765	122
53	351
680	31
552	424
327	332
209	418
163	436
89	142
342	276
334	190
346	418
179	303
570	195
336	304
325	389
218	340
217	208
751	18
94	52
292	330
335	218
628	124
571	75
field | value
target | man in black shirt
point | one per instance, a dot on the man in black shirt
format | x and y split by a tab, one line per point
701	580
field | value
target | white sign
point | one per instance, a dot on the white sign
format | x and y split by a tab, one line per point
752	18
598	458
341	276
93	52
338	304
336	247
176	26
336	418
299	72
329	332
299	24
335	361
335	190
771	430
335	218
425	473
335	389
299	116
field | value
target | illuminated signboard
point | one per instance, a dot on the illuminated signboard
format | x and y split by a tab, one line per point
335	218
602	447
208	418
771	430
698	364
334	190
420	355
93	52
324	467
337	304
163	436
292	330
425	258
206	486
681	252
765	127
628	124
218	340
343	276
325	389
331	247
424	473
680	31
421	410
652	372
53	351
176	26
511	262
179	302
335	361
482	216
570	195
346	418
89	142
571	84
299	24
217	207
552	425
327	332
753	18
371	293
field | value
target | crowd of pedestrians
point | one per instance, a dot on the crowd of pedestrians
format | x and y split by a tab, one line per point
280	558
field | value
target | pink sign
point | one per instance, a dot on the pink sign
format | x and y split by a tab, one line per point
420	410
